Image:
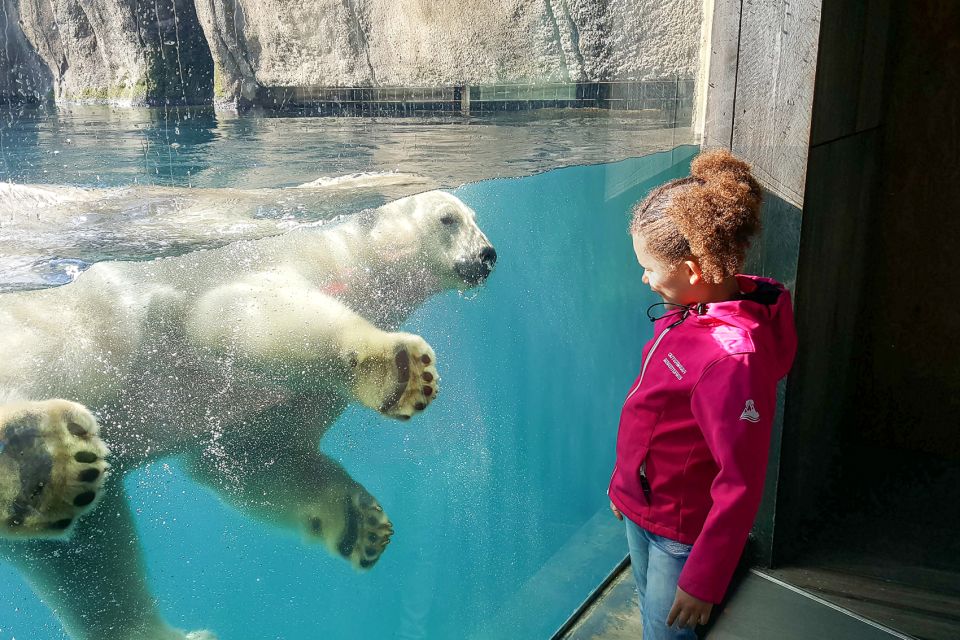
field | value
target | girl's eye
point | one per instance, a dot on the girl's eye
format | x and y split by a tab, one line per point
448	220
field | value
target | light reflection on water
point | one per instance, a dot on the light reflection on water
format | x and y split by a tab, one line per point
152	153
99	146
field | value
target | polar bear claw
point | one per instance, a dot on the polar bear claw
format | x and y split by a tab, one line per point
52	467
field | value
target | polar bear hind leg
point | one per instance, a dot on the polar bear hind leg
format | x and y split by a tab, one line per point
52	467
348	521
302	490
95	581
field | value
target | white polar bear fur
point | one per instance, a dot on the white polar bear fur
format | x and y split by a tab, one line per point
41	222
238	359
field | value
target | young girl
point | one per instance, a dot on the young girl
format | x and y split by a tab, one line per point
695	427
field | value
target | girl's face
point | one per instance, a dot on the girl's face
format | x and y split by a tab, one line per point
672	283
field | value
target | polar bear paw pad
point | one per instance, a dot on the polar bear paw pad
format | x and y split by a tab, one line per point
52	467
367	532
353	526
402	380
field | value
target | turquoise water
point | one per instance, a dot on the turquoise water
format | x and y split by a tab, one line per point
497	491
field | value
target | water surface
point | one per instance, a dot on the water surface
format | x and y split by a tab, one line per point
497	490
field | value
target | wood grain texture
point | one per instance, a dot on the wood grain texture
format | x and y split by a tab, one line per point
722	77
774	93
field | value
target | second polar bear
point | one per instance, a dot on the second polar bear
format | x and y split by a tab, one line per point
238	359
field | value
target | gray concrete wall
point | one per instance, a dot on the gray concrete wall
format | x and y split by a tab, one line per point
429	43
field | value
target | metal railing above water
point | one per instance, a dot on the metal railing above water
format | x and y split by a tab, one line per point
668	102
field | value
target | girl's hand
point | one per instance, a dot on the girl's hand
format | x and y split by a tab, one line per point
616	511
688	611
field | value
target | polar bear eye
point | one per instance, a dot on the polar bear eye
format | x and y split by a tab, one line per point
448	219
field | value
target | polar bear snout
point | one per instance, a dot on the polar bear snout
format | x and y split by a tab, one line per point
475	270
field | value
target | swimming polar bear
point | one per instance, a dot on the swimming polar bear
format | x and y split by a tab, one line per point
238	359
48	232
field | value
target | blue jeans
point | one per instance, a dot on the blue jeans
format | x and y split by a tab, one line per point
657	562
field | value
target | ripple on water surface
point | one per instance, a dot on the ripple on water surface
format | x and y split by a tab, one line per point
94	183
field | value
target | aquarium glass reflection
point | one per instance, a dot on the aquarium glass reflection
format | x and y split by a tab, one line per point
350	368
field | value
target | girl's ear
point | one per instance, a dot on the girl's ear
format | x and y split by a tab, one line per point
694	273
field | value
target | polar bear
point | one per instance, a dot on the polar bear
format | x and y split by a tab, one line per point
43	224
237	359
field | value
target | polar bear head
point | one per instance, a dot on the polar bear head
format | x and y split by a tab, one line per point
437	232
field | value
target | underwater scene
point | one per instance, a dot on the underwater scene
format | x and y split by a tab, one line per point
412	442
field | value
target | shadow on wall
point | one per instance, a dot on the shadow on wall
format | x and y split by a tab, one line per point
143	52
23	75
774	252
773	255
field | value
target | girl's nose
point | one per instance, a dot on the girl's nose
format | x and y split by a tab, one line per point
646	278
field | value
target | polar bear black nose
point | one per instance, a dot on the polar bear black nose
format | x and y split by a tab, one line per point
488	255
475	269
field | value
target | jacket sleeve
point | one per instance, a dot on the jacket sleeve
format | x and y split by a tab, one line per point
733	403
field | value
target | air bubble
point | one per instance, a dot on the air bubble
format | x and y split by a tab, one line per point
469	294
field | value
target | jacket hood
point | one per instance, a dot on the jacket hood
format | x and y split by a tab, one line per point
765	311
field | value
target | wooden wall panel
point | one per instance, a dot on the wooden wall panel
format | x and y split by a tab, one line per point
722	77
771	125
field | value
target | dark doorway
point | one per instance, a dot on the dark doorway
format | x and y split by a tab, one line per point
868	509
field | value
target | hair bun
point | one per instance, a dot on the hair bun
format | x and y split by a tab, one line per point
712	165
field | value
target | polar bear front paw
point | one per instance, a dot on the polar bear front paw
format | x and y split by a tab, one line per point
355	527
399	378
52	467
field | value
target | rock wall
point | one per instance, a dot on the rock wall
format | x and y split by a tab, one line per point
121	51
23	75
126	49
429	43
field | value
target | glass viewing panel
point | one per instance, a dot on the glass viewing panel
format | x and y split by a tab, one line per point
357	349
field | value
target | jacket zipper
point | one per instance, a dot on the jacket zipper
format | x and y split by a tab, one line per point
643	370
644	483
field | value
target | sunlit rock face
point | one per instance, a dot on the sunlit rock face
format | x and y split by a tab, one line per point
23	75
428	43
186	51
133	52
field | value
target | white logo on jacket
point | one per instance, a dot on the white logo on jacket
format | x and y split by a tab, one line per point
750	412
674	365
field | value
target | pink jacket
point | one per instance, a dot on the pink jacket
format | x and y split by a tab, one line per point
695	428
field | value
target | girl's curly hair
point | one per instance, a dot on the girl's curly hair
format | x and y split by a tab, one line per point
710	215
